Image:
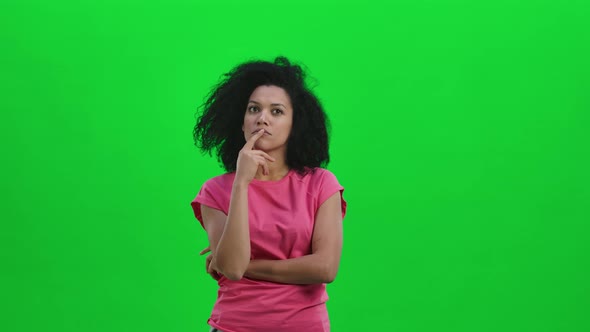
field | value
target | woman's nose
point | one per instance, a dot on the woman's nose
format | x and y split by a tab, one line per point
262	119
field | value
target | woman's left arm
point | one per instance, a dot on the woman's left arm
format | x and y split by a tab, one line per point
321	265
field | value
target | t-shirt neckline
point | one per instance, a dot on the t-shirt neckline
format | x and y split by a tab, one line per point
272	183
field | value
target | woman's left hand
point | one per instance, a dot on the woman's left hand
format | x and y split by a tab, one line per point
209	266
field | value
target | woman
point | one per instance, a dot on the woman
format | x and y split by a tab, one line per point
274	220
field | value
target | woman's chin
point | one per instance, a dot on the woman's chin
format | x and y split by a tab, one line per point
266	147
262	146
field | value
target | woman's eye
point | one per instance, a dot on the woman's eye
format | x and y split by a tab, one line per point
252	109
277	111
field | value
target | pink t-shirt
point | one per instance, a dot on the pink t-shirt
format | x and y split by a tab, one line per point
281	215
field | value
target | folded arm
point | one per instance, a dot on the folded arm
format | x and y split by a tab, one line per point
229	238
321	266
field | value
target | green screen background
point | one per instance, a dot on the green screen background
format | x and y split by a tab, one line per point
460	131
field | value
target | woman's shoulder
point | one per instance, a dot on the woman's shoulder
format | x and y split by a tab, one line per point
316	174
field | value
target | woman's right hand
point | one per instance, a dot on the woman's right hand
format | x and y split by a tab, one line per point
249	160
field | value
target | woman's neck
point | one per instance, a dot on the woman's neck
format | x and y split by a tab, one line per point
276	171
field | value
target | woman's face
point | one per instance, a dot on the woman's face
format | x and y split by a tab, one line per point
269	108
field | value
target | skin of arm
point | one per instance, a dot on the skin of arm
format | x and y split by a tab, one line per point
233	250
321	266
229	237
231	254
214	222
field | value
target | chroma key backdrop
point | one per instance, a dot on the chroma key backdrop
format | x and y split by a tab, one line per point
460	130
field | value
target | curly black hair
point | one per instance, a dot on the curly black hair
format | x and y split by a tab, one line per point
219	127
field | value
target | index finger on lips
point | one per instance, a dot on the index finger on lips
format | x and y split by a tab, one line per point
250	143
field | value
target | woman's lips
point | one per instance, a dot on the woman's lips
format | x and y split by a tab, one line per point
265	131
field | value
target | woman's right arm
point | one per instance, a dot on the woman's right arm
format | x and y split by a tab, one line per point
231	254
229	236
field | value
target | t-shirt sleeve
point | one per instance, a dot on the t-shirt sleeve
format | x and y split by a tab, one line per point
210	195
329	185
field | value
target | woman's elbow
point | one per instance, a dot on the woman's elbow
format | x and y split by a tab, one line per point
234	276
231	271
329	273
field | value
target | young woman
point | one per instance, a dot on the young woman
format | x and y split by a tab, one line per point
274	220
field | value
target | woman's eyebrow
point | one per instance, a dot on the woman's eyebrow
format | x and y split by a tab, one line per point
273	104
